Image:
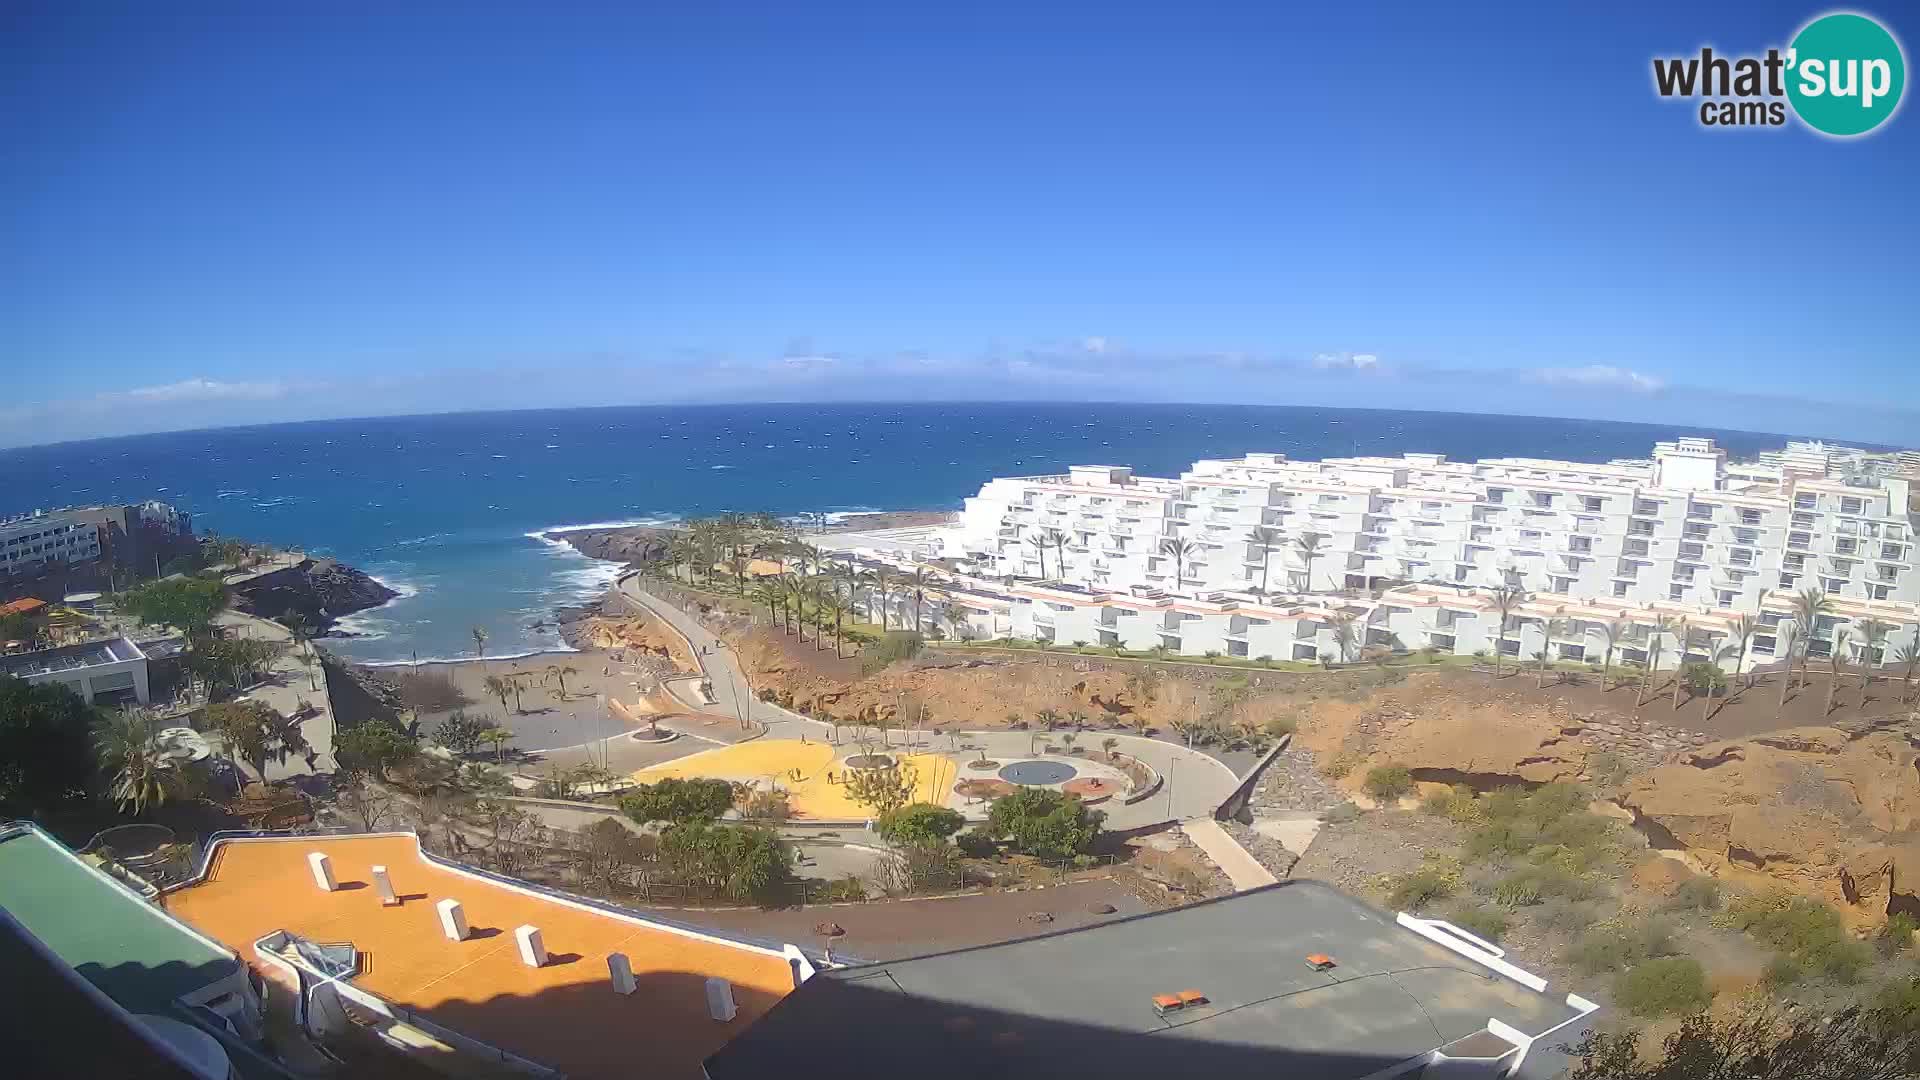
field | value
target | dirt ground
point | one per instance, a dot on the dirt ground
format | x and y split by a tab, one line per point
1741	712
893	929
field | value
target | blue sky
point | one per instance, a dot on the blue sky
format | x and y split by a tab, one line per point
211	219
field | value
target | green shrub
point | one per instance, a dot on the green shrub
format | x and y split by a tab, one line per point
1611	946
893	647
1435	881
1669	986
1566	917
1489	923
975	844
1388	782
1041	821
679	801
1896	934
919	824
1898	1003
1340	814
1782	971
1807	930
1608	767
1696	894
1342	763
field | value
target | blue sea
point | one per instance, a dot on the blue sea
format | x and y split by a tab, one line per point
449	509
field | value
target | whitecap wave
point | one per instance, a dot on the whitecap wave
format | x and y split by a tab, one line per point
560	648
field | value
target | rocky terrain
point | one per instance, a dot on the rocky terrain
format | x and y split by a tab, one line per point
633	545
320	590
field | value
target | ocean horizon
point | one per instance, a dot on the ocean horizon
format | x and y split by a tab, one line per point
451	509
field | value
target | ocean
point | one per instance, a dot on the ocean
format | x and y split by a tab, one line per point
449	509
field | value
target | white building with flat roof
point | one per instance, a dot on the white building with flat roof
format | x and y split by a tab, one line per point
107	672
1683	534
29	545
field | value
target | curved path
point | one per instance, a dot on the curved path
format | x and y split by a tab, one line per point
1193	783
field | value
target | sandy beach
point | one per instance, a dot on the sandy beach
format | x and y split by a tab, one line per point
542	718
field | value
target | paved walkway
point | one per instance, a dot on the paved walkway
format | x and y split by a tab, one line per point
1226	853
295	677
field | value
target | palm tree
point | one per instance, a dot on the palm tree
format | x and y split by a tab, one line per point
498	738
1180	550
517	683
1838	659
123	744
1038	541
916	587
497	686
1683	639
838	609
793	590
769	596
815	590
1873	636
1656	643
1788	640
557	674
1908	655
1808	606
1611	632
479	642
883	587
1345	633
1308	545
1505	599
852	578
1059	541
1741	635
1264	540
1553	628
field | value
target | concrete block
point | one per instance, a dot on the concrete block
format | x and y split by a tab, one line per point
533	951
620	969
453	919
322	867
383	885
720	1004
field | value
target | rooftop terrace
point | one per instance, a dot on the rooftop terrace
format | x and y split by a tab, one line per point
564	1015
1082	1002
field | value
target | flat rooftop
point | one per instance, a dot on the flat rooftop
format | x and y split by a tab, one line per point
1080	1002
118	942
564	1015
70	657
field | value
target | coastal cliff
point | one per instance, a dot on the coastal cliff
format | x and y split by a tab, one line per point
320	590
637	544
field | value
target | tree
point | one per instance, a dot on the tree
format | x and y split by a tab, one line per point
1656	642
1837	658
188	604
517	682
1908	656
1683	639
557	674
1759	1041
1263	540
46	758
480	646
1505	599
1180	550
605	853
882	584
1873	638
677	801
1059	541
916	587
883	790
919	824
498	738
1611	632
375	747
1346	634
372	808
460	733
741	861
1038	541
498	686
1786	643
1308	545
1704	680
1741	636
255	733
136	775
1553	628
1808	606
1044	822
514	837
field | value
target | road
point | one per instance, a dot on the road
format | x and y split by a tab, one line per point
294	677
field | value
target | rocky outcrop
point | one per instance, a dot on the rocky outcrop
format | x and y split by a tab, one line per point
1820	810
319	590
633	545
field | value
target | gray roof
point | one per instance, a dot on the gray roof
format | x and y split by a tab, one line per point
1079	1002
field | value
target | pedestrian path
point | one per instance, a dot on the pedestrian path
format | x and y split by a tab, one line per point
1241	868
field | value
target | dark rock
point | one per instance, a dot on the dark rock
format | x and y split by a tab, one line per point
318	590
1103	909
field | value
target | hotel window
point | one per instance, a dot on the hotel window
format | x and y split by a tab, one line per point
1890	551
1788	581
1798	540
1619	588
1592	503
1636	547
1805	502
1677	592
1764	645
1645	506
1562	584
1888	573
1726	598
1692	551
1844	546
1746	536
1700	512
1698	531
1850	505
1833	584
1749	516
1882	592
1637	527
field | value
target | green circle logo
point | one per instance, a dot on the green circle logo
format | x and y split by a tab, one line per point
1845	74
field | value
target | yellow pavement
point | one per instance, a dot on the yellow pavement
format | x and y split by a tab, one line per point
811	796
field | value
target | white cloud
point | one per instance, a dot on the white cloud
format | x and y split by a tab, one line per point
1347	362
203	389
1095	345
1601	375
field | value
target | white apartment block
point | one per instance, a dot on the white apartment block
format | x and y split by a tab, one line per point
29	545
1411	546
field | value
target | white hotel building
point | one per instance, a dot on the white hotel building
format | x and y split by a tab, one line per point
1411	547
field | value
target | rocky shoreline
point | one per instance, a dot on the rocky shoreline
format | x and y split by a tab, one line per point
634	545
320	591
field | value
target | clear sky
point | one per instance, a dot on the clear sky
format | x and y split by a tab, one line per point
220	218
